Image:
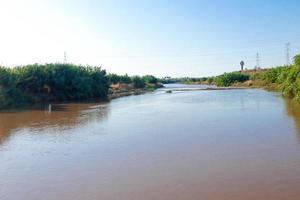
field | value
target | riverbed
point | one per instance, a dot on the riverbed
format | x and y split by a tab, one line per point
185	145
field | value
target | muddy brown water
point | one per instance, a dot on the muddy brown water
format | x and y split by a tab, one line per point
189	145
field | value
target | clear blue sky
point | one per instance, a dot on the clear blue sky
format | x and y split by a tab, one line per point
159	37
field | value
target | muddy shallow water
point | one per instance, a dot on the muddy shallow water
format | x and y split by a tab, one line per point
191	145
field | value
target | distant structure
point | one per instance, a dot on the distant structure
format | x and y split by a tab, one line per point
257	62
242	63
287	53
65	57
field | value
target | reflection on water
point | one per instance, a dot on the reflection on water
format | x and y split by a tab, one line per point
191	145
55	116
293	110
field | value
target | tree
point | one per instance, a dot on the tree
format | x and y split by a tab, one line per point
150	79
125	79
114	78
138	82
297	60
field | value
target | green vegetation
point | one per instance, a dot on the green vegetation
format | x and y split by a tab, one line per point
114	79
10	95
31	84
51	82
228	79
285	79
150	79
138	82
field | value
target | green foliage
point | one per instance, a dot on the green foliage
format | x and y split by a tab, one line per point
291	84
275	75
51	82
60	82
203	79
5	77
210	80
138	82
284	78
150	79
271	75
228	79
125	79
256	76
297	60
113	78
10	95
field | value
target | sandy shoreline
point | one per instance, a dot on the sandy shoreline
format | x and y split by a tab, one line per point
118	94
126	93
205	89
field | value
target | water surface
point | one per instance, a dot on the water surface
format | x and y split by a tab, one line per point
191	145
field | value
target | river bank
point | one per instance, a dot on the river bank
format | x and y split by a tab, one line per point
56	83
204	89
121	90
283	79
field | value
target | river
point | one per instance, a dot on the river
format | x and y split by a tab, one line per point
185	145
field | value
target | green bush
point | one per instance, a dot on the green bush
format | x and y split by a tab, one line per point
113	78
275	75
138	82
49	82
297	60
271	75
150	79
125	79
286	78
291	84
210	80
228	79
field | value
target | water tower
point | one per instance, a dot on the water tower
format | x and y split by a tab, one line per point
242	63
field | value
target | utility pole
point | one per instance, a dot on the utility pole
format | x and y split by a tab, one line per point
257	61
287	53
65	57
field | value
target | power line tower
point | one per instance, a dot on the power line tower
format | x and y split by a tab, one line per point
65	57
288	53
257	61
